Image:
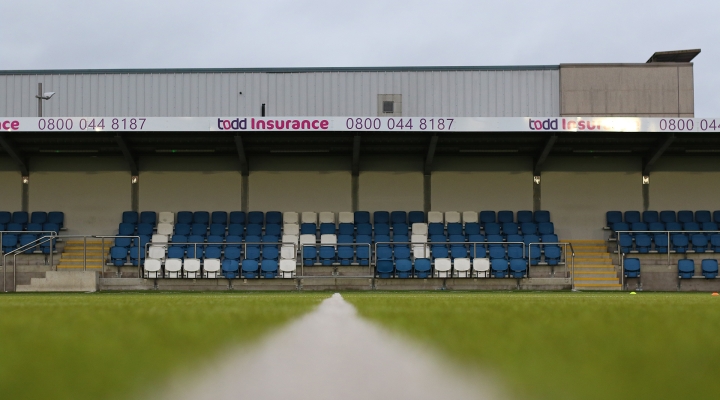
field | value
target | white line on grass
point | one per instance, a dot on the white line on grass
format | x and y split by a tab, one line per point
331	353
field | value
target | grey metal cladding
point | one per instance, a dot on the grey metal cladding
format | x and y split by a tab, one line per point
481	92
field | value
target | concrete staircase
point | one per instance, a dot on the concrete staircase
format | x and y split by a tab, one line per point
72	255
63	281
594	268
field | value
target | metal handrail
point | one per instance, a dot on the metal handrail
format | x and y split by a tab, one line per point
320	244
15	252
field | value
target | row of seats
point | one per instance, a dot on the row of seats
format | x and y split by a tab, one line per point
357	217
648	217
665	226
36	217
686	268
660	243
216	268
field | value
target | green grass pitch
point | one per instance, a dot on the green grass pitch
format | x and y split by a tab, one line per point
536	345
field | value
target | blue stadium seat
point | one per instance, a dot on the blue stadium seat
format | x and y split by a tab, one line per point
5	217
656	226
679	243
125	229
274	229
632	268
515	252
661	242
487	216
518	268
236	230
499	268
632	216
638	227
217	230
269	268
454	228
436	228
362	217
456	251
621	226
699	242
515	241
118	255
148	217
233	241
686	269
56	217
128	217
715	242
237	217
673	226
649	217
403	268
492	228
402	229
541	216
494	241
184	217
625	240
535	251
691	226
309	254
546	228
273	217
15	227
709	226
201	217
509	228
363	252
145	229
423	268
529	228
703	216
398	217
9	242
38	217
232	253
497	252
716	216
416	217
477	250
219	217
524	216
330	229
709	269
611	218
199	229
505	216
182	229
553	254
26	239
230	268
123	242
215	241
685	216
176	252
472	228
643	243
346	229
308	229
382	229
363	229
134	252
384	266
381	217
195	247
256	230
402	252
256	217
438	238
667	216
345	254
31	227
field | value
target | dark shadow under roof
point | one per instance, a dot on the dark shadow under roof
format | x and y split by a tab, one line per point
681	56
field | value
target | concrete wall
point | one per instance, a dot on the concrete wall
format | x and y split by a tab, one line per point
300	183
11	184
579	191
390	183
685	183
641	90
189	184
92	191
474	183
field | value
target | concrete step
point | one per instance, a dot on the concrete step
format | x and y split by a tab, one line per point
74	256
596	280
596	274
63	281
598	286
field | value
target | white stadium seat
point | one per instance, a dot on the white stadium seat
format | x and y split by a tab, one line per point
287	268
166	217
328	239
291	229
153	268
420	250
173	267
308	239
159	239
435	217
191	267
462	267
443	266
481	266
309	217
165	229
327	217
211	268
452	217
419	228
157	252
346	217
289	251
469	217
290	217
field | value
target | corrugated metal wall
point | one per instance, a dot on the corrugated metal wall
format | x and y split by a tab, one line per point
468	93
